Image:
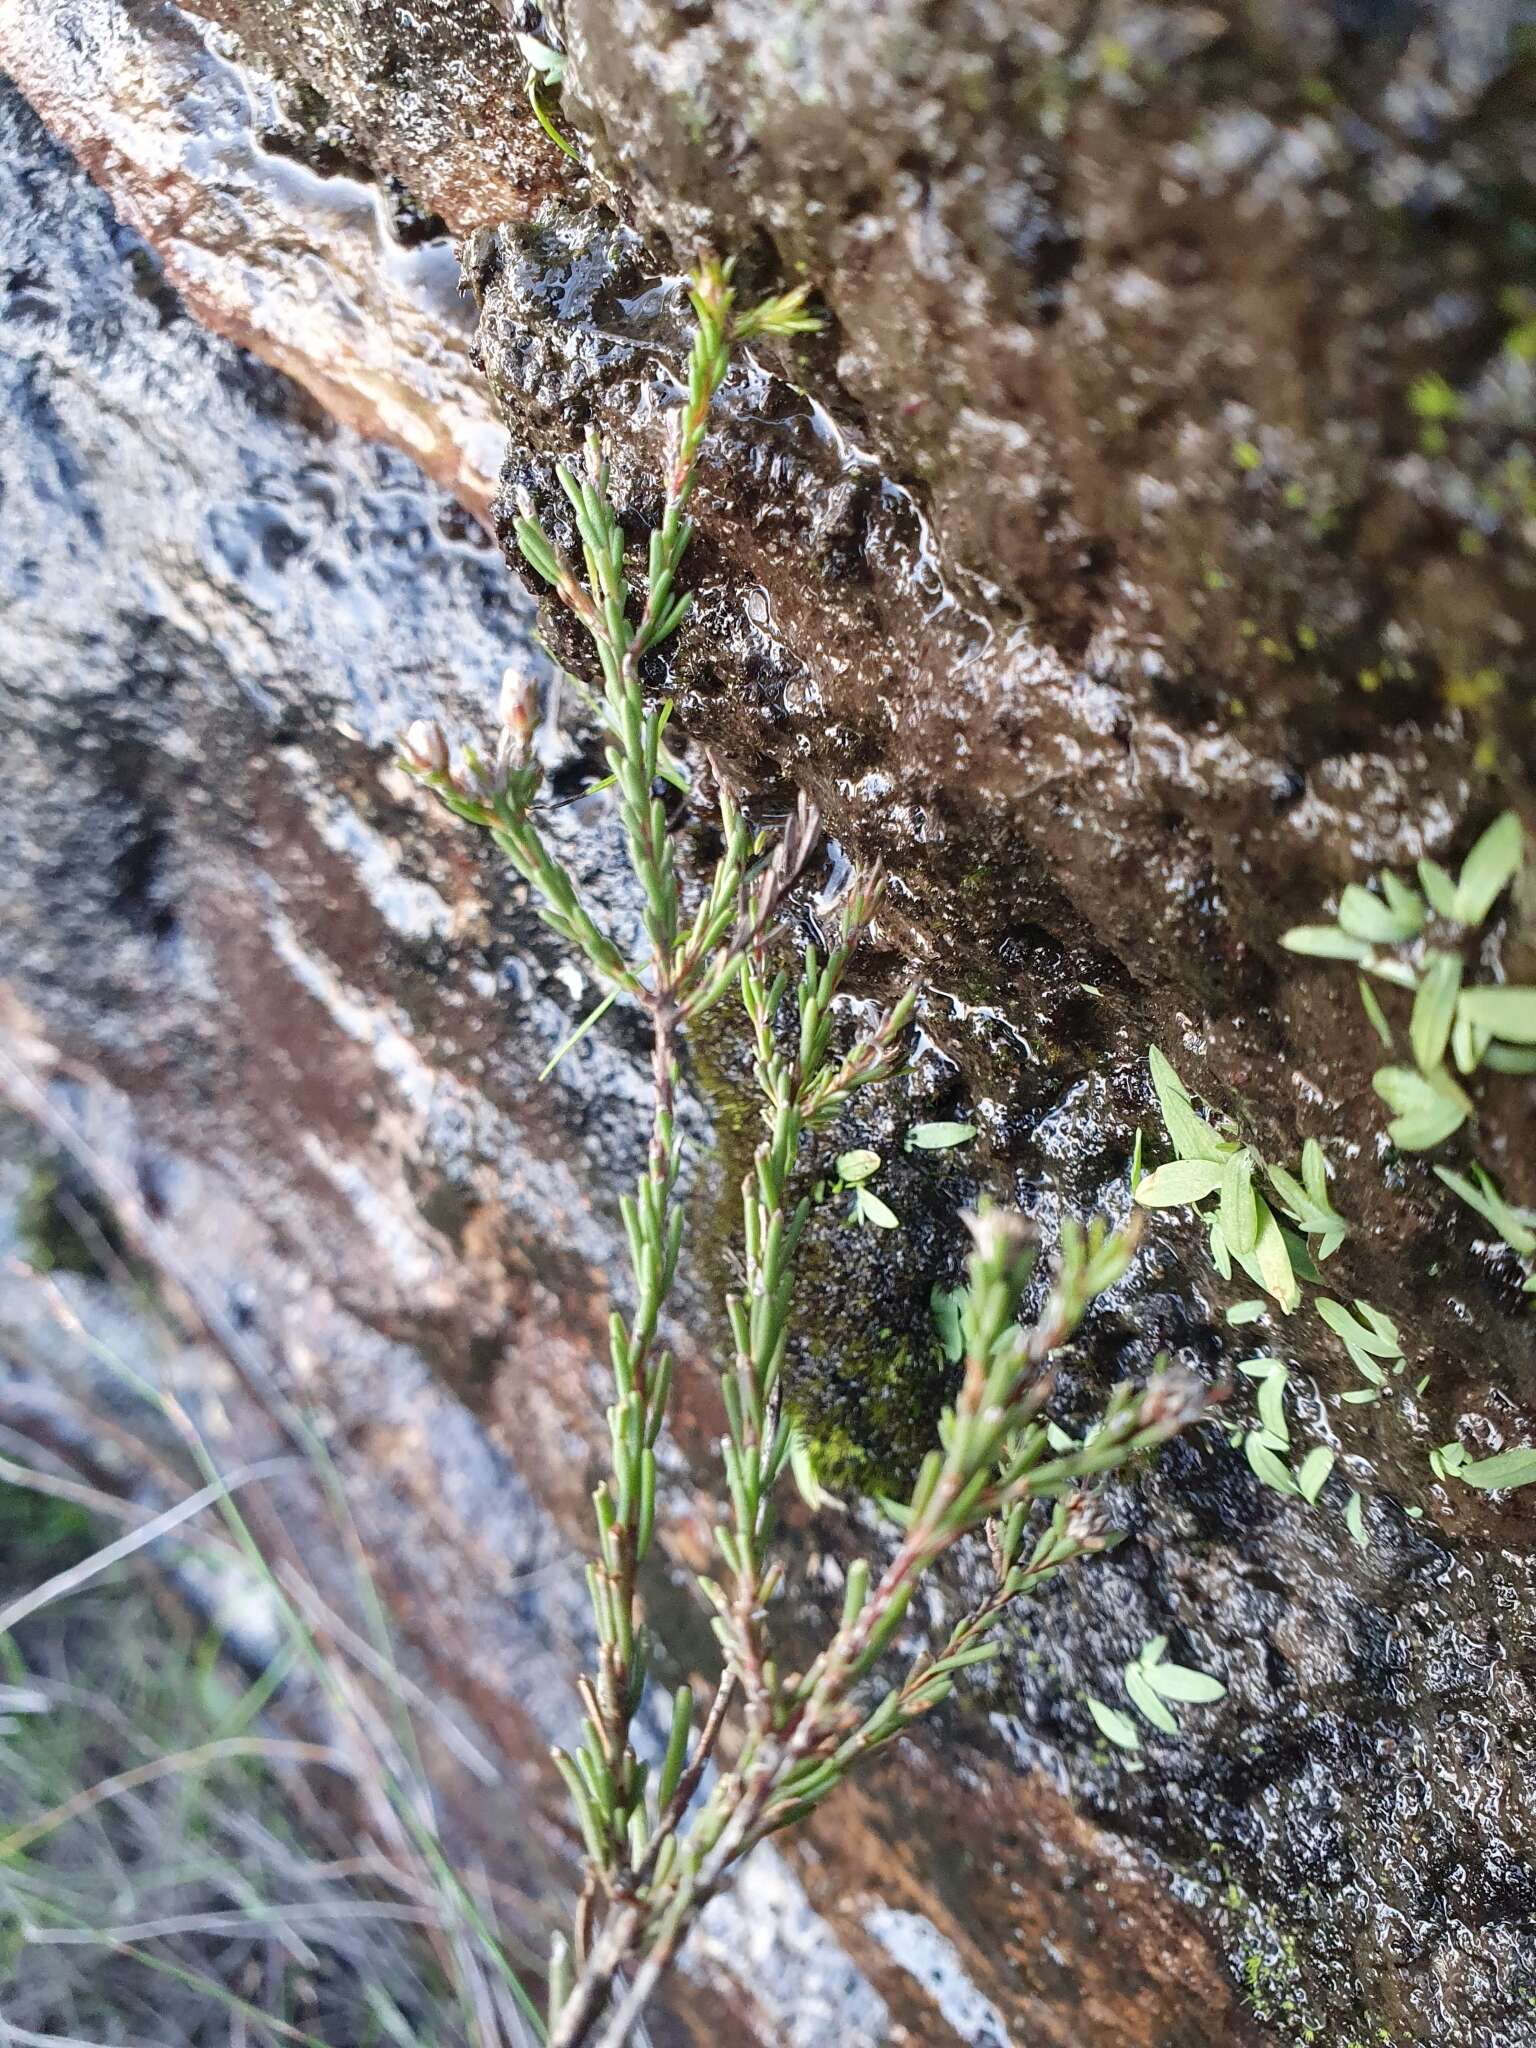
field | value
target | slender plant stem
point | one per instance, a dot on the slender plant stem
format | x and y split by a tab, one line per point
658	1845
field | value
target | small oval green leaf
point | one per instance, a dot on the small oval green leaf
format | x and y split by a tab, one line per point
1325	942
1489	868
1507	1013
939	1137
852	1167
1143	1697
1190	1688
1119	1728
1178	1184
870	1209
1434	1010
1312	1473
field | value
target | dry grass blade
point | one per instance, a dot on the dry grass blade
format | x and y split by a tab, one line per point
272	1749
81	1574
237	1920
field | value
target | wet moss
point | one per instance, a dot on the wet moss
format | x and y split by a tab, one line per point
865	1372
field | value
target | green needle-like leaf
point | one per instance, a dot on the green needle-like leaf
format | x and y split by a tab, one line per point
1377	1015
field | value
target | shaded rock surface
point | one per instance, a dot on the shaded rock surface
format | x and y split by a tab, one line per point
1144	553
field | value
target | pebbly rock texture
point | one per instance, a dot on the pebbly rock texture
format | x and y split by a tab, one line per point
1144	552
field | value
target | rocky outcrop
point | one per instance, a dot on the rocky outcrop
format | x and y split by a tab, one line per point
1143	553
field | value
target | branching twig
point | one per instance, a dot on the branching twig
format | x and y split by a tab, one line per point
656	1852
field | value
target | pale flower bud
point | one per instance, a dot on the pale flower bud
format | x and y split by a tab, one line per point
1085	1526
425	747
1172	1401
999	1234
519	708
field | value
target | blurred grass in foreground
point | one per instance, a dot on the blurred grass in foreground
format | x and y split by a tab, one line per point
177	1864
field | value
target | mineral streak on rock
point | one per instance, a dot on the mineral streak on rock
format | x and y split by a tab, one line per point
278	237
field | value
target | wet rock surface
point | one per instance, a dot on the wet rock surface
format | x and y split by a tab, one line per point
1144	553
269	223
284	1033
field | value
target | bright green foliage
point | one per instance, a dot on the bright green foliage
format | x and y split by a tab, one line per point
1506	1469
1211	1164
940	1137
1507	1013
853	1167
1371	1004
854	1170
1373	1344
1245	1230
1489	869
1493	1026
1427	1108
1267	1464
1116	1727
1154	1686
868	1207
1312	1473
1434	1010
1308	1202
654	1856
